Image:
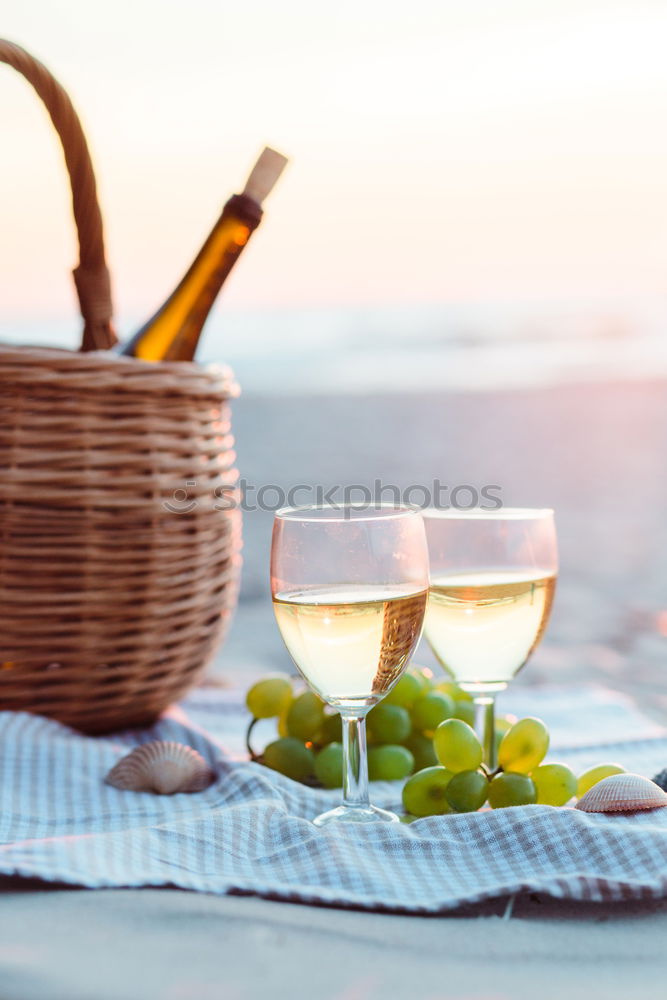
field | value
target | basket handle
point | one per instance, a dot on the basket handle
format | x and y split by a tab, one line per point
91	277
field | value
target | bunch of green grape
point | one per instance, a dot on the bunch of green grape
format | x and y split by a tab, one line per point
421	731
400	729
460	782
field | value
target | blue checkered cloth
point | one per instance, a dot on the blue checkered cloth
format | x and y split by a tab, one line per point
250	832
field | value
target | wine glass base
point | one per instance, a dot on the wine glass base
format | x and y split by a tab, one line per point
356	814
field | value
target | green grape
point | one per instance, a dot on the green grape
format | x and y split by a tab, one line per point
511	789
305	716
421	748
405	692
467	791
524	746
452	689
389	763
425	680
595	774
269	697
283	731
290	757
457	747
430	710
408	819
424	794
388	724
331	730
504	722
329	766
555	783
465	710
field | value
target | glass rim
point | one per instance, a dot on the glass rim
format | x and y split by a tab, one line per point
501	514
346	512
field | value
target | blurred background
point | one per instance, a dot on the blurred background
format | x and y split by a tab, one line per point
462	273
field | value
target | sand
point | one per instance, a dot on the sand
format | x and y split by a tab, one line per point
171	945
594	453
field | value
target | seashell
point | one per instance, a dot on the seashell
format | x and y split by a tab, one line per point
661	779
622	793
162	767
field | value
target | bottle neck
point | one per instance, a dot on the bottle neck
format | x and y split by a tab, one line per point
172	334
244	209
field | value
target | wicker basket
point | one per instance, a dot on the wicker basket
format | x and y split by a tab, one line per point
119	537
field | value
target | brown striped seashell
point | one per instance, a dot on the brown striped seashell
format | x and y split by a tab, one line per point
622	793
162	767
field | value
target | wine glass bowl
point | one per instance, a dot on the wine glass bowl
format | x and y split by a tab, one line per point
493	577
349	587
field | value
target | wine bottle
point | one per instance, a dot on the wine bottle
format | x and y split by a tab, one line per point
172	334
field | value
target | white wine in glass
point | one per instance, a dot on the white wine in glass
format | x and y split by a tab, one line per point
349	588
493	577
351	643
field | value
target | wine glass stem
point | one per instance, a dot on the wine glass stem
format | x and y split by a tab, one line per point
355	762
485	727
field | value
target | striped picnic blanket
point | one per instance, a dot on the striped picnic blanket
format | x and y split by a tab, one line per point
250	831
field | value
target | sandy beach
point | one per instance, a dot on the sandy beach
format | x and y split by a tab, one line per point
593	452
182	946
456	297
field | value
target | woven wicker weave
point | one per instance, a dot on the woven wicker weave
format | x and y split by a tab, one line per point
119	548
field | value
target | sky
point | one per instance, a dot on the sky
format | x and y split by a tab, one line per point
441	151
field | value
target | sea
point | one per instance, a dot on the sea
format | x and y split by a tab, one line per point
561	405
407	348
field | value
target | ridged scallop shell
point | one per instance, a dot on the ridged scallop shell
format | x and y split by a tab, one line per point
622	793
162	767
661	779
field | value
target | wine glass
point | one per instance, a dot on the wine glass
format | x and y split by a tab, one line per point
349	587
493	577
